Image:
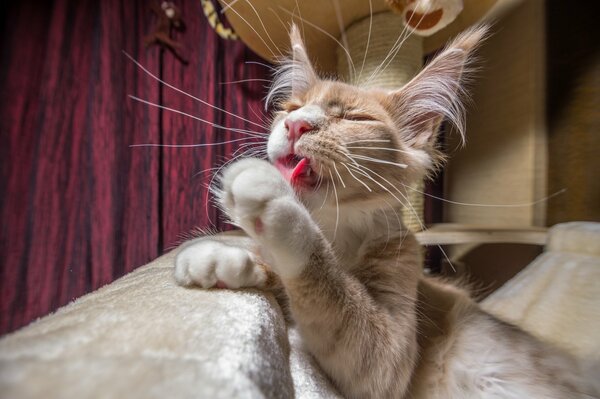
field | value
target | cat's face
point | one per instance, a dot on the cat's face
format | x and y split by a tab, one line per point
338	143
339	137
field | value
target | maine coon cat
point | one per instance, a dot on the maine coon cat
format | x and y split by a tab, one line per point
324	234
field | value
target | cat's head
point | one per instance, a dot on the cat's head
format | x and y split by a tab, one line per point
363	145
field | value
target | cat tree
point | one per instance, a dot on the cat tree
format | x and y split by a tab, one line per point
361	41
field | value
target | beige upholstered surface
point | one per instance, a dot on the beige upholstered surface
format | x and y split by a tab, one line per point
144	337
557	297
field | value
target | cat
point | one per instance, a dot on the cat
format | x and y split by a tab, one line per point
323	233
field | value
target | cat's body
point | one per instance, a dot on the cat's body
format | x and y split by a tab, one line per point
325	235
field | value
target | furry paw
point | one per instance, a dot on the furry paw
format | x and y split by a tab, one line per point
258	199
210	263
248	186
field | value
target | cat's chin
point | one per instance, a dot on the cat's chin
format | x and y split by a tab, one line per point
297	171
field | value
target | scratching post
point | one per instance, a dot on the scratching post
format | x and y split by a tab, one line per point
384	69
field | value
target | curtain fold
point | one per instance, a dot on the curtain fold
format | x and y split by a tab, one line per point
79	206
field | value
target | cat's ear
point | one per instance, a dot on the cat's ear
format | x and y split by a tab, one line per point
295	74
436	93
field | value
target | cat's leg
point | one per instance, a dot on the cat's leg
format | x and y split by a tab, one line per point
366	349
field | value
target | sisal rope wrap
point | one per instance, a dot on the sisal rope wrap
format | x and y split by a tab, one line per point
385	30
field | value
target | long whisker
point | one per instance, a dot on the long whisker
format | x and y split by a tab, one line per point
301	25
337	206
263	26
369	141
326	196
153	76
230	4
356	178
378	148
406	32
244	81
362	67
412	209
376	160
261	64
365	174
189	145
338	174
409	205
323	31
519	205
374	73
340	21
259	117
250	133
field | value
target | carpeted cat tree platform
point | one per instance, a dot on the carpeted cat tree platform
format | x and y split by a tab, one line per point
145	337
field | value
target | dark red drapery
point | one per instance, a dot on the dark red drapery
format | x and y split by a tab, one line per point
80	207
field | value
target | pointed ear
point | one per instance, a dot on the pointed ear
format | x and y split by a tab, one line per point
295	74
436	93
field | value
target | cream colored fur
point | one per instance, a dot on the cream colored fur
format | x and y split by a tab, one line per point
337	252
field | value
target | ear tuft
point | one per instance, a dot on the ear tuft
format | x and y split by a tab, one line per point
295	74
437	92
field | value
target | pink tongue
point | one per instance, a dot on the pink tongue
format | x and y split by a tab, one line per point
299	169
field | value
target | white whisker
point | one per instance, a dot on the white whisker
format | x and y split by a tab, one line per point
244	81
189	145
378	148
376	160
227	6
406	32
362	67
356	178
230	5
261	64
337	206
338	174
263	26
250	133
323	31
518	205
369	141
340	21
153	76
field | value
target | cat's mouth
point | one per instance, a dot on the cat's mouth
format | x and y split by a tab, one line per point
297	171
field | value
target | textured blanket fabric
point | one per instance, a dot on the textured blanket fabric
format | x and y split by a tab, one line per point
557	296
144	337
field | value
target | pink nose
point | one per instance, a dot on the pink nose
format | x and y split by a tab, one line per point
297	128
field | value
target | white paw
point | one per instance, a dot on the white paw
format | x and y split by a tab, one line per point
210	263
248	186
258	199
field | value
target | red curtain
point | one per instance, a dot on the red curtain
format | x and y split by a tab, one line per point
80	206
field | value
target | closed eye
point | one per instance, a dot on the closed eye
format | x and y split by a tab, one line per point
290	107
359	117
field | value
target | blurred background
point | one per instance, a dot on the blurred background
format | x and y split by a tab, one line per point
80	207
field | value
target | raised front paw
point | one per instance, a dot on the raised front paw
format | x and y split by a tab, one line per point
258	199
209	263
248	186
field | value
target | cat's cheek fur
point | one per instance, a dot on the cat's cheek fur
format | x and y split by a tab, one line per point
258	199
278	144
210	263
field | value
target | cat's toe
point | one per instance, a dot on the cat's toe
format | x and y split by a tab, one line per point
210	264
247	189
